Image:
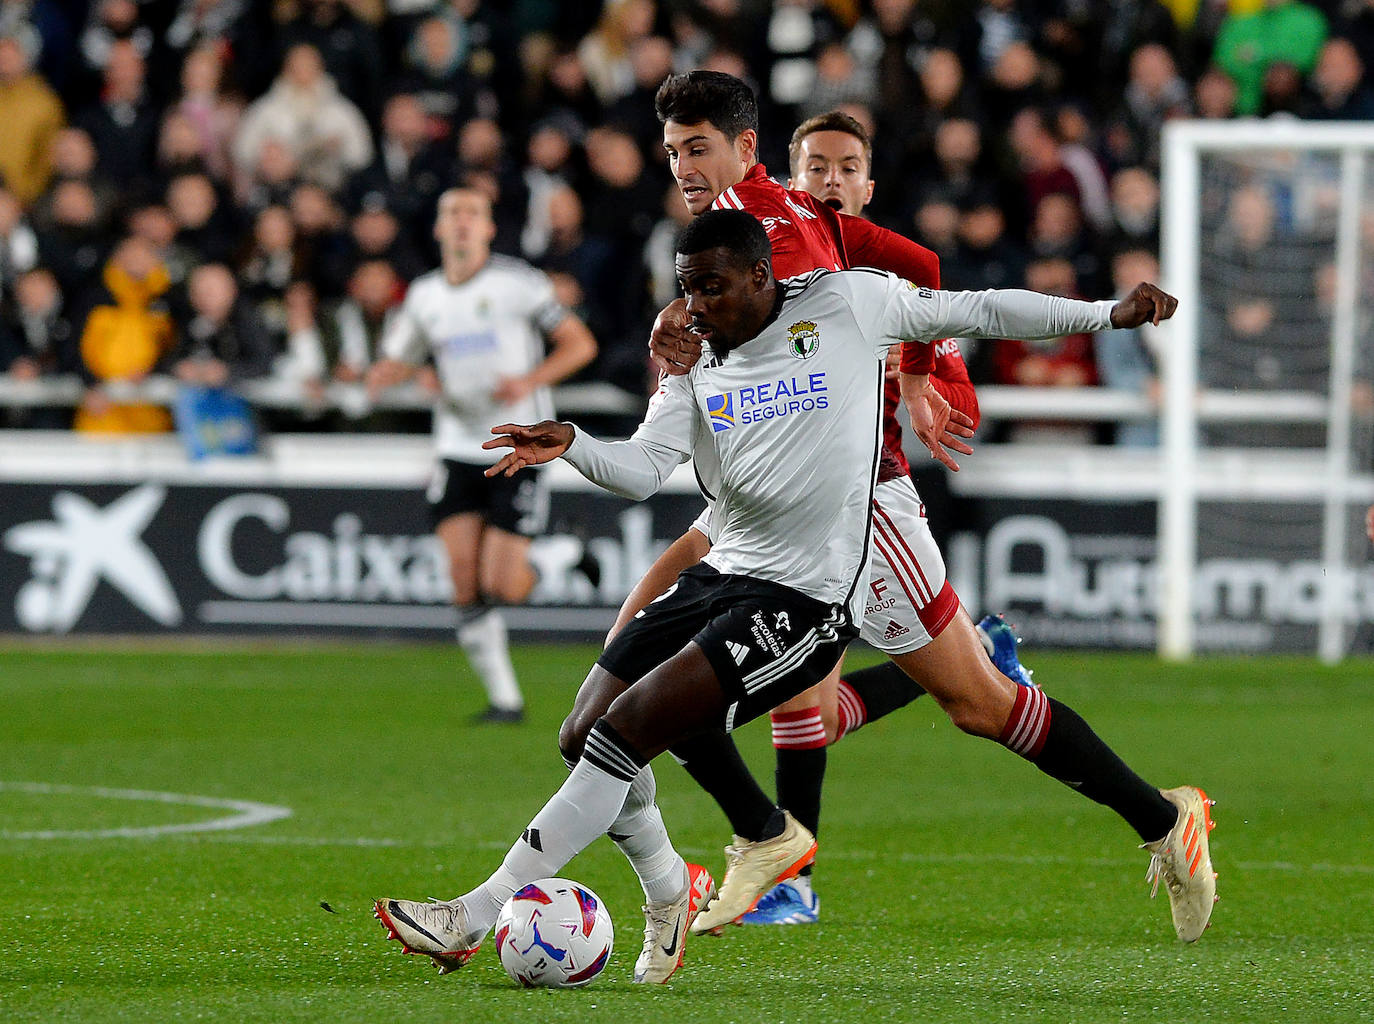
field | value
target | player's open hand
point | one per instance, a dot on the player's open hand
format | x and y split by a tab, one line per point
673	348
940	427
1145	305
530	445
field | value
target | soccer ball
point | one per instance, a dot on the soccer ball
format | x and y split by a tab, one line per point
554	933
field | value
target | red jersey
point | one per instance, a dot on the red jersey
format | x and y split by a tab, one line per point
807	235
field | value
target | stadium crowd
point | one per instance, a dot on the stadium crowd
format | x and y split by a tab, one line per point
222	190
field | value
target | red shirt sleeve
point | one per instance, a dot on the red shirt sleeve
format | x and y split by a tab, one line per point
868	245
951	380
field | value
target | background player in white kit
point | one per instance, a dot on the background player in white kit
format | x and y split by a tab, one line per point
786	435
484	319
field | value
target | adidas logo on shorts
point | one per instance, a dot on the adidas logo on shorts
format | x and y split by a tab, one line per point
894	630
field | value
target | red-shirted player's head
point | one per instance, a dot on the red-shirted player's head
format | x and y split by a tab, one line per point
724	267
710	131
831	157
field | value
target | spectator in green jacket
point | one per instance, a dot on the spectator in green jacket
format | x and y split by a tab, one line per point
1285	31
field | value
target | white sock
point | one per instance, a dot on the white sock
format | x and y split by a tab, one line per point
584	807
640	833
484	642
802	883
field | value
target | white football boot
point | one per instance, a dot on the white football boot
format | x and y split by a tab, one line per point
666	925
437	929
751	869
1183	861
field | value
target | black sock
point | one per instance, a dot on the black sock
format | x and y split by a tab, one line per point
799	776
883	689
713	760
1075	756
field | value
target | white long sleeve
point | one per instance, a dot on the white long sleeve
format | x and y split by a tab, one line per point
921	314
634	468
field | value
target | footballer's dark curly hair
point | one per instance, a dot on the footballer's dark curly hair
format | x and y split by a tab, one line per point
734	230
721	100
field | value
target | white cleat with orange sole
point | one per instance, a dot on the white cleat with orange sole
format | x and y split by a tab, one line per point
752	869
1183	861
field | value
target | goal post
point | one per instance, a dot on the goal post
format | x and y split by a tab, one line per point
1268	379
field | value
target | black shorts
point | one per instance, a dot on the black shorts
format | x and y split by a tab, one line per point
766	641
517	504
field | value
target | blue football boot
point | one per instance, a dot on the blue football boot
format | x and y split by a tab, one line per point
1000	641
783	904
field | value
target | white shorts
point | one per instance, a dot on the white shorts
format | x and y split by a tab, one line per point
909	601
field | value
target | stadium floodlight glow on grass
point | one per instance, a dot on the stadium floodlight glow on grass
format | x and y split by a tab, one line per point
1259	367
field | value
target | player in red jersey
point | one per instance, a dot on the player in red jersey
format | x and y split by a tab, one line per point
710	131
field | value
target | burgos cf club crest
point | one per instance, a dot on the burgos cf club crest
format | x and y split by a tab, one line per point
803	339
721	411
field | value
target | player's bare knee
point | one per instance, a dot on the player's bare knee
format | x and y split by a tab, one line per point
572	737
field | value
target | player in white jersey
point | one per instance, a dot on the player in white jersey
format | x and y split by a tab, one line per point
484	320
784	418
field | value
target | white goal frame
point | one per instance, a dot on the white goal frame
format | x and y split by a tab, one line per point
1186	480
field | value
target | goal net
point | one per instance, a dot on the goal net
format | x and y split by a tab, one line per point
1268	383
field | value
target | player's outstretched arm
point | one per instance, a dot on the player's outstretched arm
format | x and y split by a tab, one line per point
1145	305
686	551
387	373
531	445
673	348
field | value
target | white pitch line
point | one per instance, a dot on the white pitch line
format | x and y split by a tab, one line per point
247	812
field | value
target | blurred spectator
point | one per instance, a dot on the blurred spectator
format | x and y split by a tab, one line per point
1155	93
213	115
1126	359
108	23
273	261
840	78
1058	232
224	339
75	240
1056	362
565	91
434	74
622	197
32	114
796	33
305	112
1041	160
205	222
605	52
408	172
126	335
341	343
37	339
155	224
1077	150
1282	31
549	166
347	45
376	235
660	251
988	256
1215	95
1135	210
1337	90
123	123
936	224
320	228
73	159
44	30
651	59
18	246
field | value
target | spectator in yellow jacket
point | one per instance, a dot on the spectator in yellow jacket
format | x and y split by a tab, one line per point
31	115
127	333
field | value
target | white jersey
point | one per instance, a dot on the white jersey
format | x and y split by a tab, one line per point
490	327
787	427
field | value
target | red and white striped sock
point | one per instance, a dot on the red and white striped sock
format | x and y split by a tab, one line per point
1029	724
852	712
798	730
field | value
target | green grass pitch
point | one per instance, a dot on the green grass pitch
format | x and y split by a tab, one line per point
957	883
